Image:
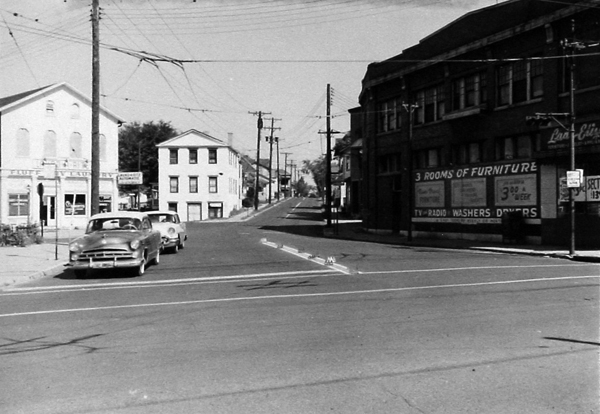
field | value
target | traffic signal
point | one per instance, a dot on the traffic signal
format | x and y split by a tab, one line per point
538	120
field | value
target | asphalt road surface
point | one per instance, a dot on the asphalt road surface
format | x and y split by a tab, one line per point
266	316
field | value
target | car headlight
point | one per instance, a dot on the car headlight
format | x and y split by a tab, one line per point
134	244
75	247
172	231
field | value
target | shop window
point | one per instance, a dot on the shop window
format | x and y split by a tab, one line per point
193	156
215	210
76	145
22	143
75	205
173	156
18	205
212	156
174	184
213	185
193	184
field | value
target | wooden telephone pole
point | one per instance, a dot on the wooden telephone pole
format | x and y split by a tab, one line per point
95	184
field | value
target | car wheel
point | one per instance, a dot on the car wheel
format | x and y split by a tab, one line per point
80	273
181	243
157	258
175	248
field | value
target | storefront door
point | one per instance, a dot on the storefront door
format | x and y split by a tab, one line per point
194	211
48	213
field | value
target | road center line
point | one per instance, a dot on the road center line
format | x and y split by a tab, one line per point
450	269
167	282
295	296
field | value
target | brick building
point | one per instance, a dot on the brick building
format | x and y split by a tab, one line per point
447	151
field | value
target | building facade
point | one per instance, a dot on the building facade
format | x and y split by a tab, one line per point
447	149
45	157
199	176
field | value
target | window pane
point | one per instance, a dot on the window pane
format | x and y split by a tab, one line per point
193	156
50	144
524	147
212	156
174	184
173	156
212	184
76	145
22	143
193	184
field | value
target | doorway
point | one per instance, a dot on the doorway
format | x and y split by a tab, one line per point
194	212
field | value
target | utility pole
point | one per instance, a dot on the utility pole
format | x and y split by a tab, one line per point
285	164
410	108
278	177
259	126
95	184
328	158
270	141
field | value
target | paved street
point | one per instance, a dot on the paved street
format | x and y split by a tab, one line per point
254	317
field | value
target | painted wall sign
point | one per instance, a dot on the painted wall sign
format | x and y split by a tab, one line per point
516	190
469	193
481	171
429	194
476	195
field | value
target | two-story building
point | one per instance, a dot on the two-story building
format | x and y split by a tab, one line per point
45	157
200	176
447	151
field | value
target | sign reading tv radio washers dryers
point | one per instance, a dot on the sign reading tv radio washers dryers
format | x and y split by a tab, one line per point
130	178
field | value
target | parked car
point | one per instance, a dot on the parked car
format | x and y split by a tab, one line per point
124	239
172	229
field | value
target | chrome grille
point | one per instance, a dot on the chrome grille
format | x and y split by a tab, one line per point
105	254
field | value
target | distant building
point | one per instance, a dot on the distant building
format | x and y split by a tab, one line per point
446	149
199	176
45	148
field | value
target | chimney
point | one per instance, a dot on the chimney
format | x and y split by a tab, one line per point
230	139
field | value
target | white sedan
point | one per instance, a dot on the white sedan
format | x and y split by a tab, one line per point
172	229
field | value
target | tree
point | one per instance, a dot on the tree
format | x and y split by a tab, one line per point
137	148
318	170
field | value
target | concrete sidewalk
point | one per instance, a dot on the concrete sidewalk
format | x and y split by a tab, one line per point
23	264
353	230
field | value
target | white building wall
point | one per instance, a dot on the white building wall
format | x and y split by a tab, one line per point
203	203
22	169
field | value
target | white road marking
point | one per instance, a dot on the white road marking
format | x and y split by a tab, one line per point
291	212
295	296
167	282
308	256
450	269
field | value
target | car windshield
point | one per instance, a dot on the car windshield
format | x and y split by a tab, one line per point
162	218
114	223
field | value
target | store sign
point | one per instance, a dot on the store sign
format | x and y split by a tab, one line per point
474	172
588	192
585	134
130	178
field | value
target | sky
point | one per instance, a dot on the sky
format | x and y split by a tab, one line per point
221	61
